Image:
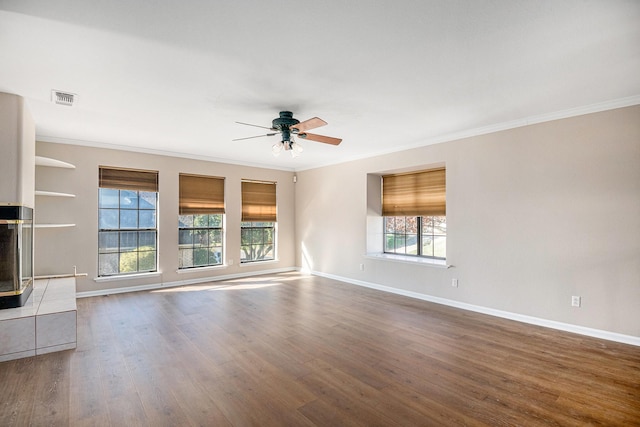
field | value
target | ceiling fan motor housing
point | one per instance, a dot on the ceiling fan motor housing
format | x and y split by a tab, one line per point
283	124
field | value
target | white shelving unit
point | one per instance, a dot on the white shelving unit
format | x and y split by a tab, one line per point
53	163
53	194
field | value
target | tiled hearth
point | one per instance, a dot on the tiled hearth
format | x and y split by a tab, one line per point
46	323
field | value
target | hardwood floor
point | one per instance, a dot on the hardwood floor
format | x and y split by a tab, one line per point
295	350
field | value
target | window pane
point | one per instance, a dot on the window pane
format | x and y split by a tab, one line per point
108	198
108	219
185	237
128	218
257	236
427	246
201	238
147	219
185	221
440	225
411	224
215	255
389	245
245	236
245	253
440	246
128	241
108	241
412	244
108	264
147	240
200	256
400	243
427	225
128	262
185	258
147	261
215	220
389	224
201	220
147	200
128	199
215	237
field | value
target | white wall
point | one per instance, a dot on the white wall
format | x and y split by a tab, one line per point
58	250
534	214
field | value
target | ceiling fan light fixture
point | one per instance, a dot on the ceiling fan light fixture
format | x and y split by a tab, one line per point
276	149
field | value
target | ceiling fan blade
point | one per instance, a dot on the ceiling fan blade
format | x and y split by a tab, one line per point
257	126
320	138
257	136
309	124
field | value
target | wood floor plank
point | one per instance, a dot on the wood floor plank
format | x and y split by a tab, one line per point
289	349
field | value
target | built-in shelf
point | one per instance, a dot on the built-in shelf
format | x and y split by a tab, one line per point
53	194
53	163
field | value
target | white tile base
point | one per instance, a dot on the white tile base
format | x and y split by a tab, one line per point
47	322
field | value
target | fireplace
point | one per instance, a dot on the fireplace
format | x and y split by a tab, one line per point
16	255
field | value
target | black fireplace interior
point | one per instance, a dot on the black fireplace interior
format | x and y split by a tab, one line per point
16	255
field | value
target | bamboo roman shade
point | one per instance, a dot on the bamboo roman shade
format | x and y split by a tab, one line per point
128	179
259	201
415	194
201	195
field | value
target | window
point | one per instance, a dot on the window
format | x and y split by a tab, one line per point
257	234
256	241
200	221
414	211
127	223
416	235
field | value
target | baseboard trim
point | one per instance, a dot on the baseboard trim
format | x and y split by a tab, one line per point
567	327
163	285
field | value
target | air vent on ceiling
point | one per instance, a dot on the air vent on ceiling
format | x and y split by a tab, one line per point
64	98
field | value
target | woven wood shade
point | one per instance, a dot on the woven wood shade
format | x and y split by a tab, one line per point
201	195
414	194
259	201
128	179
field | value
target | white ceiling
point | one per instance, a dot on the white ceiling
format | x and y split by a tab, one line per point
174	77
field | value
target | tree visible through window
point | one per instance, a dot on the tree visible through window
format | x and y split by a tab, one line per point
257	241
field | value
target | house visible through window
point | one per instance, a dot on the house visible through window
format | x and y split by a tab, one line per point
414	211
257	234
200	221
127	221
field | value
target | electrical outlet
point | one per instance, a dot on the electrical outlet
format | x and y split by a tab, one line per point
361	267
454	283
230	262
575	301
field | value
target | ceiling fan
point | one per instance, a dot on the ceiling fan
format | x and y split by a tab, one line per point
288	127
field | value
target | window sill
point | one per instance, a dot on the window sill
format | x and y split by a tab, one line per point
127	276
436	263
266	261
199	269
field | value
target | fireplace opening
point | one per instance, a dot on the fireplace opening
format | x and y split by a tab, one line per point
16	255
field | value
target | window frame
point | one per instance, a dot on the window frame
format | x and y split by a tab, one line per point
208	229
120	231
419	236
251	228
